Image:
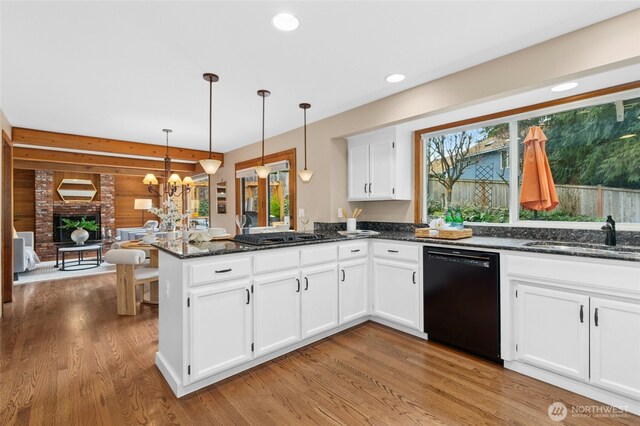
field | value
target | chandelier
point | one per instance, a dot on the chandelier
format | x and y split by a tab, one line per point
172	179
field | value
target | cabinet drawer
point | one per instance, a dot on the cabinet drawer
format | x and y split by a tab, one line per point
353	250
403	252
222	270
321	253
276	260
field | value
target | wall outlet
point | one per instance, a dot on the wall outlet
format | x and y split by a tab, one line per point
300	212
340	214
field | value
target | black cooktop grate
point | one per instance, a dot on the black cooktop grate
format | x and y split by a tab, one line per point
276	238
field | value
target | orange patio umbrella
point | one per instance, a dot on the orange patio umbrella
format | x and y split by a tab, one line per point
538	191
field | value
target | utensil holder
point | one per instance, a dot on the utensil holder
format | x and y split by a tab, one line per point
351	224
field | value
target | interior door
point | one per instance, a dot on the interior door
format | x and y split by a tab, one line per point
358	172
319	299
553	330
277	311
615	346
382	169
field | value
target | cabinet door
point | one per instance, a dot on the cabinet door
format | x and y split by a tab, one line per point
615	346
395	292
358	172
277	312
382	169
553	330
354	302
319	299
220	328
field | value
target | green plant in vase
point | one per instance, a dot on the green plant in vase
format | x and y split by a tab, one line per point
81	228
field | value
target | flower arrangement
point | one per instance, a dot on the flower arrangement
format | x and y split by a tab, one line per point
169	215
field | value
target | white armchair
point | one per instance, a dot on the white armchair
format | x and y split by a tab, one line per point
24	256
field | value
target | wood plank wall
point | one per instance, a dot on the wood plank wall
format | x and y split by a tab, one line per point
128	188
24	209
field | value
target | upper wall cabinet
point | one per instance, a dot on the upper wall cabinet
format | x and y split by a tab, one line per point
380	166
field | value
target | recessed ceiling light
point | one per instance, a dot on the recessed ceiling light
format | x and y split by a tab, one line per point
285	22
629	136
564	86
395	78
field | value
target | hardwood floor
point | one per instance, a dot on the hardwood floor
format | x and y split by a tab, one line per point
68	359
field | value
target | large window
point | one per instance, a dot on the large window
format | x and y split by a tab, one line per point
271	201
593	152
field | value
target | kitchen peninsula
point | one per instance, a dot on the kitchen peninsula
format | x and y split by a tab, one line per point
226	307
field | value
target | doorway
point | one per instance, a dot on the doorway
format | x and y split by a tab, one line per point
7	218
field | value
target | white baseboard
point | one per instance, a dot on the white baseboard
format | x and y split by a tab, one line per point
584	389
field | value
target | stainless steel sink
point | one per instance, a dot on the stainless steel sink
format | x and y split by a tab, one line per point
585	248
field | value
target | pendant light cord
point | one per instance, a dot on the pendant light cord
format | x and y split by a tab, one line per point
263	96
305	139
210	113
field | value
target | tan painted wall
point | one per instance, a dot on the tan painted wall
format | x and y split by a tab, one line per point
606	45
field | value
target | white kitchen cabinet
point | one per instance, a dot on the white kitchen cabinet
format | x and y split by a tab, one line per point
277	311
220	328
553	330
396	292
319	299
358	169
353	285
615	346
379	166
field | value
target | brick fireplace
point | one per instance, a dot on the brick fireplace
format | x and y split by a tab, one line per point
48	205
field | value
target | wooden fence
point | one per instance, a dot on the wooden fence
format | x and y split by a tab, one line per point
594	201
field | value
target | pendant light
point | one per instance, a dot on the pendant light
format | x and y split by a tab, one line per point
262	170
210	165
305	174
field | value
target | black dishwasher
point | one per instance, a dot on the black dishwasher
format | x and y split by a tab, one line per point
462	300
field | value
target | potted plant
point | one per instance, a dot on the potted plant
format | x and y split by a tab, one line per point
80	234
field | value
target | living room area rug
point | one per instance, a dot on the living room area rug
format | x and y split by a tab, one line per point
46	271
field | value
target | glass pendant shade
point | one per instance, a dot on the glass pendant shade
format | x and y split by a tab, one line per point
263	171
175	179
305	175
210	165
150	179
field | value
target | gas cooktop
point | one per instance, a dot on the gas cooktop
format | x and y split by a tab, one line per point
276	238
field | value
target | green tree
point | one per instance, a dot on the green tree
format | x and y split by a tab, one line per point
274	206
584	145
203	208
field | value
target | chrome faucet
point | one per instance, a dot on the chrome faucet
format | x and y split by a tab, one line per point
610	231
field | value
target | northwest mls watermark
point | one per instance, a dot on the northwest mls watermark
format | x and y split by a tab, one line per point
558	411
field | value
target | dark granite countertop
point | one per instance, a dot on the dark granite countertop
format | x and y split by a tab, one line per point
213	248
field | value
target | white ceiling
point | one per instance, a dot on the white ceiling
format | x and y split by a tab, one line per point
125	70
